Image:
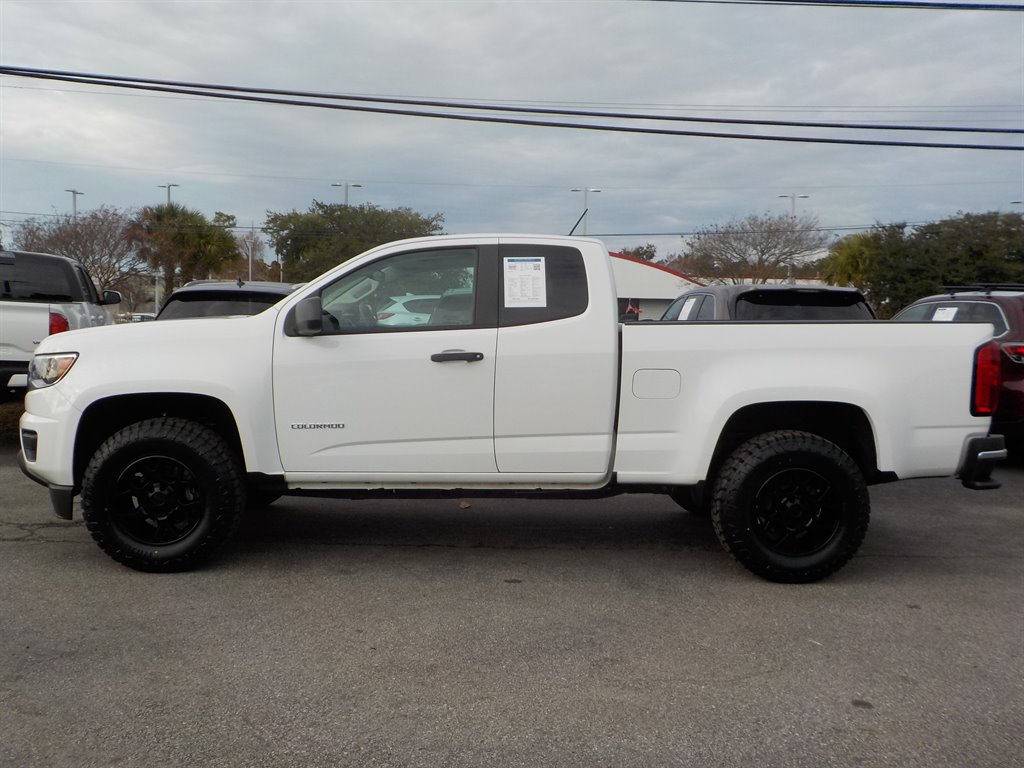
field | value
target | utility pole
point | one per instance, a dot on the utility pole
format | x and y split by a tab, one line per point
74	201
346	185
792	202
168	186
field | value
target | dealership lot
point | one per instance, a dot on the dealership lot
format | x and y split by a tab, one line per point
507	633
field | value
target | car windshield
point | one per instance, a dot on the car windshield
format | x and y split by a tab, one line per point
213	304
801	305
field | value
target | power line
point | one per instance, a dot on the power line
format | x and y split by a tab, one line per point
246	94
116	80
913	5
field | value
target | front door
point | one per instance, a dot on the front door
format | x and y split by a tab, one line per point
381	392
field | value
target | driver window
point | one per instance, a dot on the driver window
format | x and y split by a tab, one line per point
432	289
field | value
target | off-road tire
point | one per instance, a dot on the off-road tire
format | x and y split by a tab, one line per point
790	506
163	494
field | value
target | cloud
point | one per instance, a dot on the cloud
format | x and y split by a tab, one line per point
735	61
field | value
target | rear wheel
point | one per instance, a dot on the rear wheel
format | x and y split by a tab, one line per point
790	506
163	494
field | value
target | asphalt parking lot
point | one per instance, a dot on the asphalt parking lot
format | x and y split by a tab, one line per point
512	633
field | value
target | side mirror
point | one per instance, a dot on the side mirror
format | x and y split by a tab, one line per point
110	297
307	317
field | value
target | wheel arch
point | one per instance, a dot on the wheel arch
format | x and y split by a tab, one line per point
844	424
105	417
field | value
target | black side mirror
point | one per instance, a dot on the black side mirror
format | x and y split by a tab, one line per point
307	317
110	297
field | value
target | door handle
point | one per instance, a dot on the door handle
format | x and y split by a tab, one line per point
457	354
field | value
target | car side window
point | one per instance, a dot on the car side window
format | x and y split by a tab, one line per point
984	312
418	289
89	292
541	283
915	314
707	309
672	313
690	307
957	312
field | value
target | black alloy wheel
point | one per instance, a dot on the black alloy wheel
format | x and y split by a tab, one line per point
790	506
163	494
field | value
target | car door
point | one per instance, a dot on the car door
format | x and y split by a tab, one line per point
557	376
366	399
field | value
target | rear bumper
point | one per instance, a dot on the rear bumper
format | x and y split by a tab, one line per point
981	454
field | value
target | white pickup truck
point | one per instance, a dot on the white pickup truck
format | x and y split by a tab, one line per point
42	294
519	380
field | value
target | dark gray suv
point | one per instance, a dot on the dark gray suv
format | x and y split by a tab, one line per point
221	298
770	302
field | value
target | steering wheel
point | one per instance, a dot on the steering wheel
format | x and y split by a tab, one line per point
366	314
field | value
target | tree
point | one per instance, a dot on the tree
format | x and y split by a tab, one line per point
755	249
895	264
851	260
98	239
250	254
326	235
646	252
181	242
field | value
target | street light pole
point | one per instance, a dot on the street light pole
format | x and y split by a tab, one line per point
168	186
792	202
74	201
346	185
586	206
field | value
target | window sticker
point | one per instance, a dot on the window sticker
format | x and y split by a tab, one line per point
945	314
525	282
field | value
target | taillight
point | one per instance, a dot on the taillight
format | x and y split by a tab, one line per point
985	391
58	323
385	315
1015	352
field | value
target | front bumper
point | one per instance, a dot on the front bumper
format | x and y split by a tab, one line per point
981	454
62	497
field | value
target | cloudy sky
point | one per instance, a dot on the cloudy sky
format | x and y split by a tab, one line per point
762	62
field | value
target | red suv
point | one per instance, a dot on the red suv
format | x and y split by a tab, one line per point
1003	306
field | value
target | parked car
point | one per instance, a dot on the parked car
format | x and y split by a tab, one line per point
523	384
42	294
220	298
770	302
407	310
1003	306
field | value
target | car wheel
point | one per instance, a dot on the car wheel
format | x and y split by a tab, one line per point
790	506
162	494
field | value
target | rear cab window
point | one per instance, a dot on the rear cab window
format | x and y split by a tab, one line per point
31	278
541	284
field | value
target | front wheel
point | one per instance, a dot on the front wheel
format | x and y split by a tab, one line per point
790	506
162	494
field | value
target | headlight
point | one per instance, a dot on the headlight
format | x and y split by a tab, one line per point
47	370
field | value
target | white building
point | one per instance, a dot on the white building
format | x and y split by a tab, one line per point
647	287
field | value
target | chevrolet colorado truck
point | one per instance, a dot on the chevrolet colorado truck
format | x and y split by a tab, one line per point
521	382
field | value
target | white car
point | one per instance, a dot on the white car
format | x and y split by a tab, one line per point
407	310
